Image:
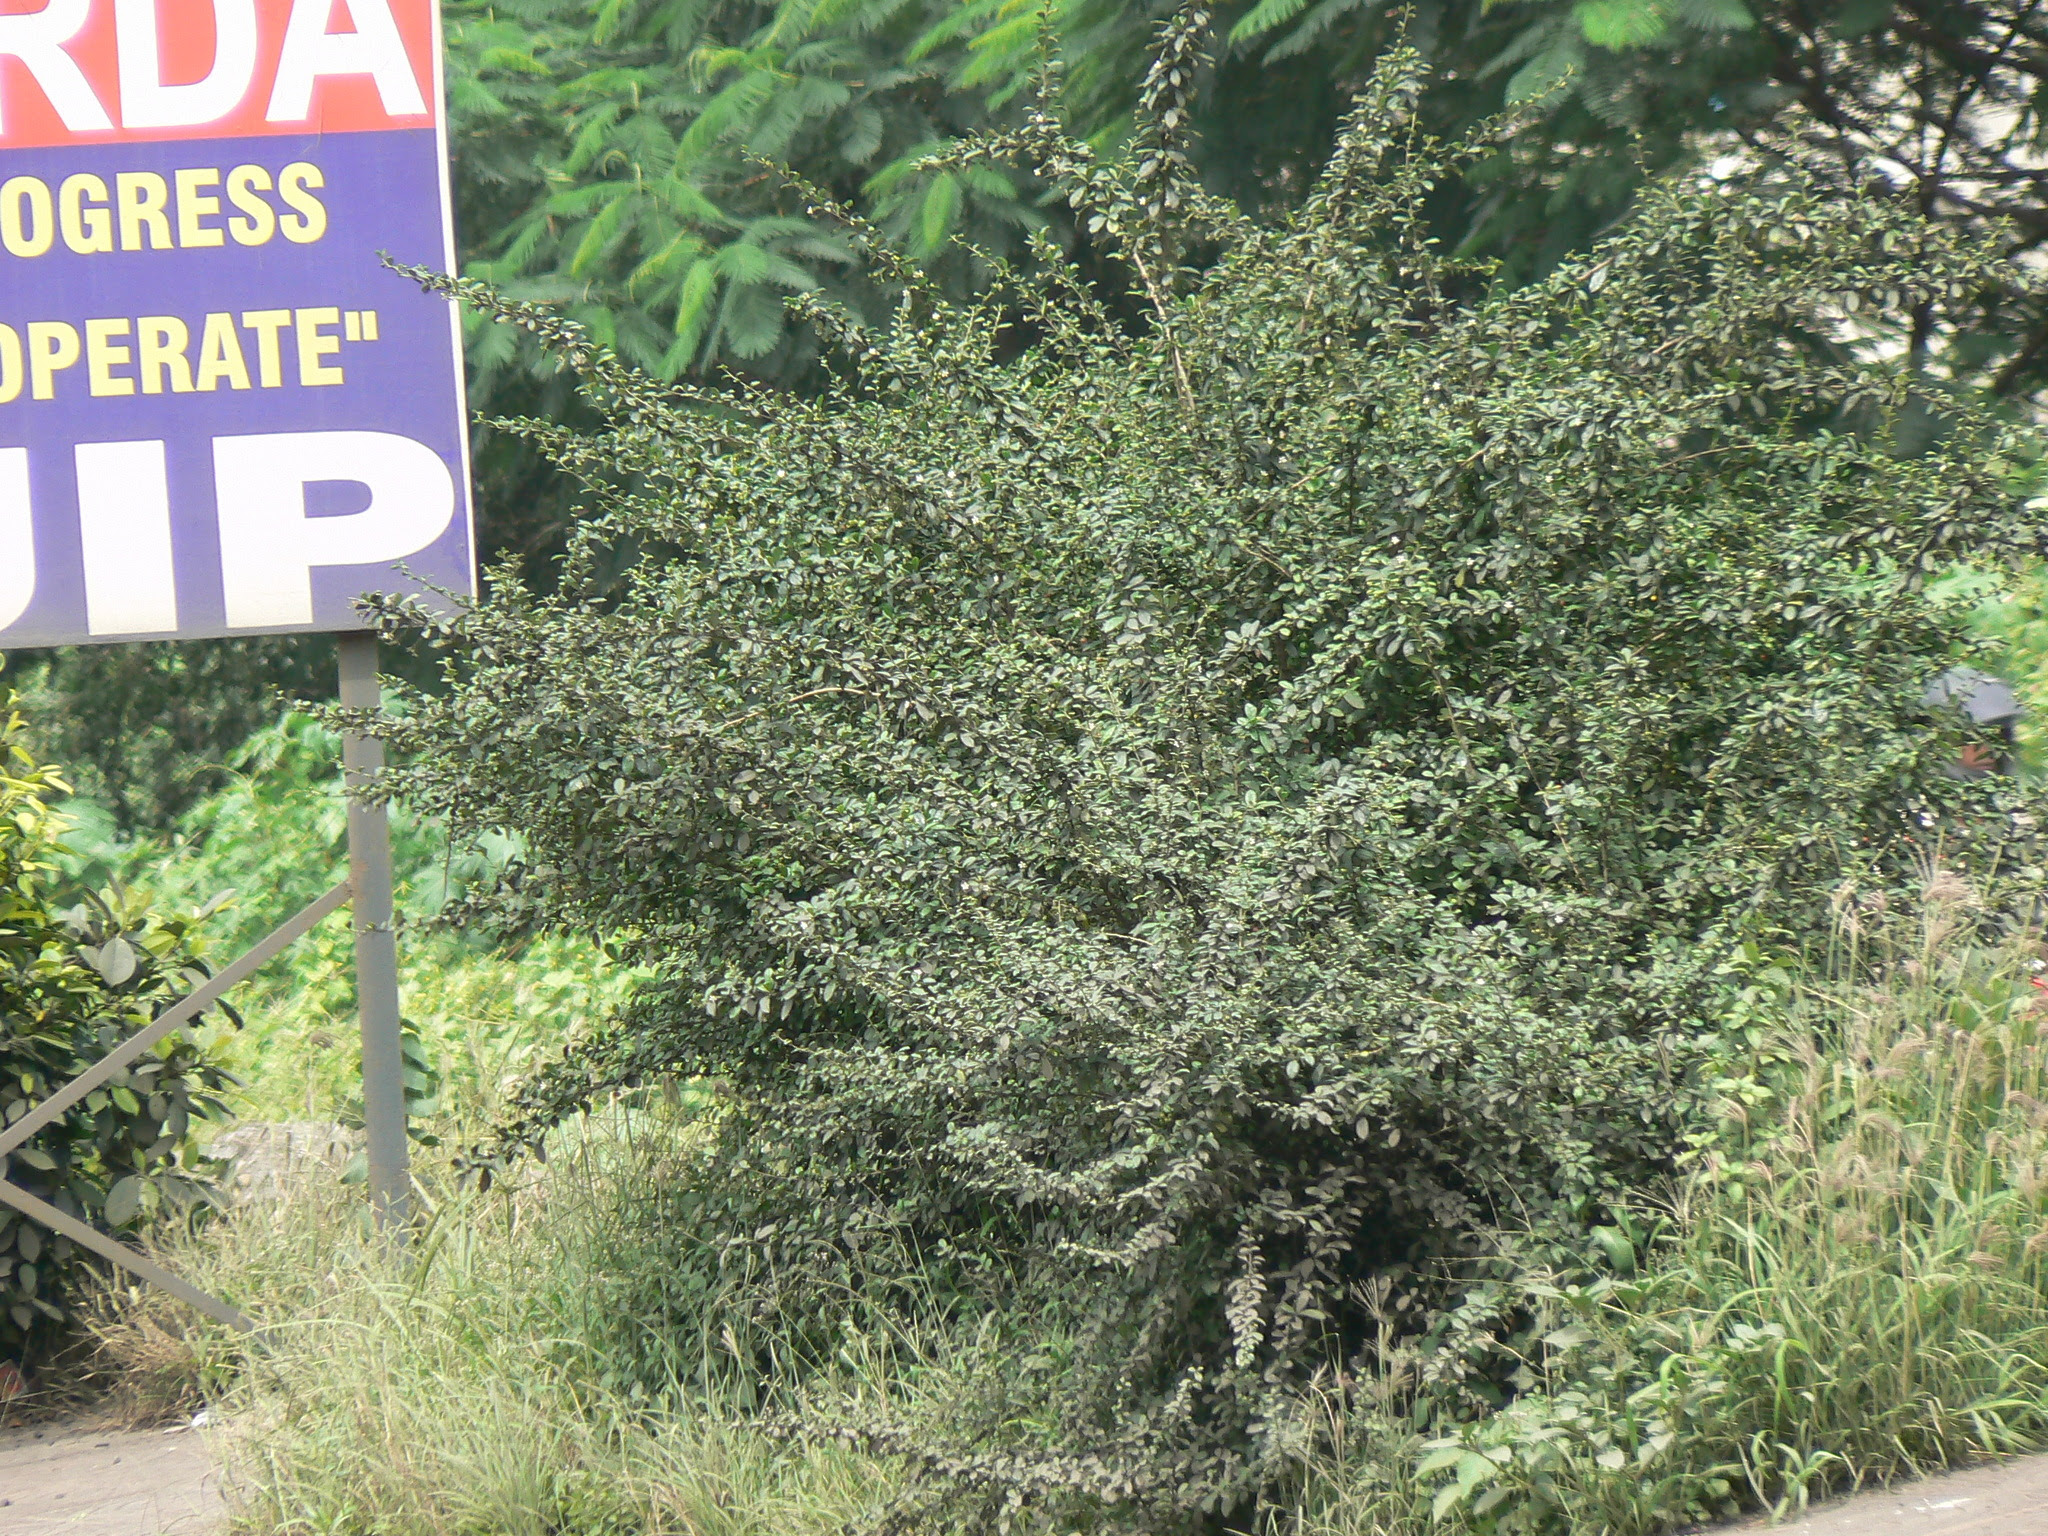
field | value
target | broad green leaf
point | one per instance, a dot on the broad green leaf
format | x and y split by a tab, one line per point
1474	1469
1265	16
124	1201
116	961
1544	72
936	214
1716	15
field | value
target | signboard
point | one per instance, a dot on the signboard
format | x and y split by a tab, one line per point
220	413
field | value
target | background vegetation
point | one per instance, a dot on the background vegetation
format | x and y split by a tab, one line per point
609	153
1212	645
268	842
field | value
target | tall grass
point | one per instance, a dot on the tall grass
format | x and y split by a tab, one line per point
1852	1285
451	1387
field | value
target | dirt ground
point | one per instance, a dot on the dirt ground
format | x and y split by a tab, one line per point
63	1480
2007	1499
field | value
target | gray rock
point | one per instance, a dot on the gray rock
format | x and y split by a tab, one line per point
266	1158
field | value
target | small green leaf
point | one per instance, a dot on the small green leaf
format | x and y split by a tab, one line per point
116	961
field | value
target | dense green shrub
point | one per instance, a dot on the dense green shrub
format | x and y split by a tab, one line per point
73	984
1186	835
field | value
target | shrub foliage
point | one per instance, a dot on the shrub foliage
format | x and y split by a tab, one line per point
1200	828
73	983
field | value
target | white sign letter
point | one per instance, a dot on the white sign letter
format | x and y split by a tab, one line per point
124	524
146	102
38	41
269	547
17	537
311	51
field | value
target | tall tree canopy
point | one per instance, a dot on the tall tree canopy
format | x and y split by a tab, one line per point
611	152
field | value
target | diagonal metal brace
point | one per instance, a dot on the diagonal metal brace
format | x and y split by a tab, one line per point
178	1015
86	1237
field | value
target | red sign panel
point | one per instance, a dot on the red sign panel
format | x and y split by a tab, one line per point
125	71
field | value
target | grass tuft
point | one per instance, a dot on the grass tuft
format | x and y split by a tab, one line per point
1850	1287
449	1387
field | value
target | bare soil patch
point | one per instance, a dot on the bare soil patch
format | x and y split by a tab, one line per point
2009	1498
62	1479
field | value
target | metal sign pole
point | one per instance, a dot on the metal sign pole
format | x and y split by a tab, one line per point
369	868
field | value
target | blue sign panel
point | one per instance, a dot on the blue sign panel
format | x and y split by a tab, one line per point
220	412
